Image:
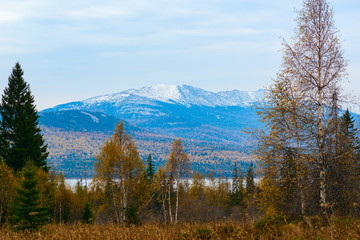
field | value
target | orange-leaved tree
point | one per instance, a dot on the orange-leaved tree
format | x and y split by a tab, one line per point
120	171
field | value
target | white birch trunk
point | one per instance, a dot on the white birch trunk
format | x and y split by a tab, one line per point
163	205
124	203
170	214
115	203
300	185
320	131
177	198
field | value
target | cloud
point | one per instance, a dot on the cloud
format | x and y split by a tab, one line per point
7	17
242	47
9	50
141	36
222	32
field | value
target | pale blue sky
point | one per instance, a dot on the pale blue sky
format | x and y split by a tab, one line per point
73	50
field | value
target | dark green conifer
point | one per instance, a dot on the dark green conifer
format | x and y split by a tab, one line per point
289	184
132	215
87	214
343	172
348	133
237	191
20	137
250	183
150	169
26	212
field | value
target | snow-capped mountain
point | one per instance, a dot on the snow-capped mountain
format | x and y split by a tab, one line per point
211	122
179	111
182	95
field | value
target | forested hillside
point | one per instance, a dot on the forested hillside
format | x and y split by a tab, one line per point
70	150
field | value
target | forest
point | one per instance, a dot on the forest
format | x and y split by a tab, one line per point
308	165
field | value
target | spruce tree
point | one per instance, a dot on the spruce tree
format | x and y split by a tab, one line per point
342	176
26	212
20	137
235	182
250	184
237	191
289	185
150	169
87	214
348	133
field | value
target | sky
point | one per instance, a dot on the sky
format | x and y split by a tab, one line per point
74	50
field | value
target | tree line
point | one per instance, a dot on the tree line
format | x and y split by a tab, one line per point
125	189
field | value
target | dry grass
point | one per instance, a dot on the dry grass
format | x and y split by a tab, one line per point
185	231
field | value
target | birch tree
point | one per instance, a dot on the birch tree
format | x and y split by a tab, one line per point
178	166
298	102
119	169
162	181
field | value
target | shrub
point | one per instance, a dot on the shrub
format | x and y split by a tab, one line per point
270	224
203	233
227	230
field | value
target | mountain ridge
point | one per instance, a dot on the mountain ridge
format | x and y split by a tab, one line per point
211	125
173	94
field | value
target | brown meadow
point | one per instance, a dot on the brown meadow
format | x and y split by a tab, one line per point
182	231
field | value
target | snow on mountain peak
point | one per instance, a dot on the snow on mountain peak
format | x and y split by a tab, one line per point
180	94
161	92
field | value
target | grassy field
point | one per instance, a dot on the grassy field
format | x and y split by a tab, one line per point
227	230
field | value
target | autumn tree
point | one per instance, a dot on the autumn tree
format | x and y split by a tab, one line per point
62	200
20	136
120	171
288	120
165	190
300	100
7	190
197	189
320	72
178	166
218	193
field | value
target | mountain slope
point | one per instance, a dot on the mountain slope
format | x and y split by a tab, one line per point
75	137
210	124
81	121
180	111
